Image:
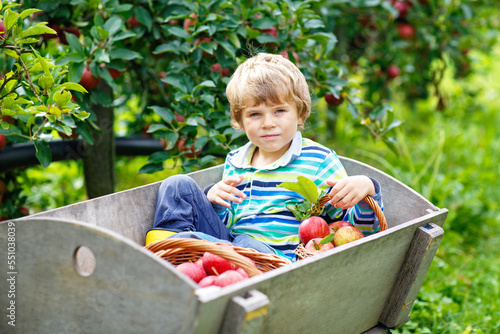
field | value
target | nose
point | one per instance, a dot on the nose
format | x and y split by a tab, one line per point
268	122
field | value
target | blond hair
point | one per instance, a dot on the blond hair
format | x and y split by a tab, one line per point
267	78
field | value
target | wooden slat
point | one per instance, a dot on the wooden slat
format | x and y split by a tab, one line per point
411	275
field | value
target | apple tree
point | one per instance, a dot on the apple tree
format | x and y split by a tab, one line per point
35	95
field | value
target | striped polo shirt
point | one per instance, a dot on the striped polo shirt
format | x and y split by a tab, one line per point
263	214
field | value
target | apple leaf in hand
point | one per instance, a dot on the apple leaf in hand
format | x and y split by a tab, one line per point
305	187
309	191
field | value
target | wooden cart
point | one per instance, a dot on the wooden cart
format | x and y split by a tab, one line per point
82	268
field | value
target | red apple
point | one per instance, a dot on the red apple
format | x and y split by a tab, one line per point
190	151
294	54
192	270
205	39
88	81
313	227
3	188
271	31
315	247
225	72
209	281
403	7
393	71
216	265
3	30
112	71
216	68
406	31
242	272
133	22
332	100
8	119
338	224
179	118
346	234
188	23
3	141
230	277
56	28
24	210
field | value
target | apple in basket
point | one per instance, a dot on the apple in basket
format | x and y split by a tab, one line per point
230	277
209	281
216	265
346	234
193	270
338	224
315	246
313	227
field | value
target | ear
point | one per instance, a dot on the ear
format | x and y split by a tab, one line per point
300	121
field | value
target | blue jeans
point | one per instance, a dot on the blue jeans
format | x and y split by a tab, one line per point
182	206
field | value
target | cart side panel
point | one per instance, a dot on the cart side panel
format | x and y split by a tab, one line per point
343	290
129	291
129	212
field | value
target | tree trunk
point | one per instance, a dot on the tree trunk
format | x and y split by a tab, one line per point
99	158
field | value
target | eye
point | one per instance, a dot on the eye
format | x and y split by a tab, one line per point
254	114
279	111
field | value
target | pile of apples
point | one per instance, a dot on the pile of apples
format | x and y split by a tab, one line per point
214	270
314	229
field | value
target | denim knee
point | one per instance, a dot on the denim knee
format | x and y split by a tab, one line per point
177	182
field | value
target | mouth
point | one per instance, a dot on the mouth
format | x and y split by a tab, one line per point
269	136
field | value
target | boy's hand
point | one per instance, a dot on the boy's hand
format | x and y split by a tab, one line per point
226	190
348	191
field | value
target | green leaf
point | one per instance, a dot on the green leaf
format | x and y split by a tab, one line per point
124	35
74	42
177	31
72	86
27	12
155	127
305	187
151	168
10	53
10	18
176	82
36	30
165	113
206	83
313	24
159	157
113	25
124	54
43	153
29	40
380	112
328	239
144	16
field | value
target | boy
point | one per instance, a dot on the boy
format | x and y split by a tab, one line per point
270	101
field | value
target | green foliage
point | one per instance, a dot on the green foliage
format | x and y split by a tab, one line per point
34	97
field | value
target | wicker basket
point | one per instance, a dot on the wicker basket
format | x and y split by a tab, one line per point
179	250
302	252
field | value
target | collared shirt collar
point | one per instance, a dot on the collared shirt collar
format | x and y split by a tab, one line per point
242	157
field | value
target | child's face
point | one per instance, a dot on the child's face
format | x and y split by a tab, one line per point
271	127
